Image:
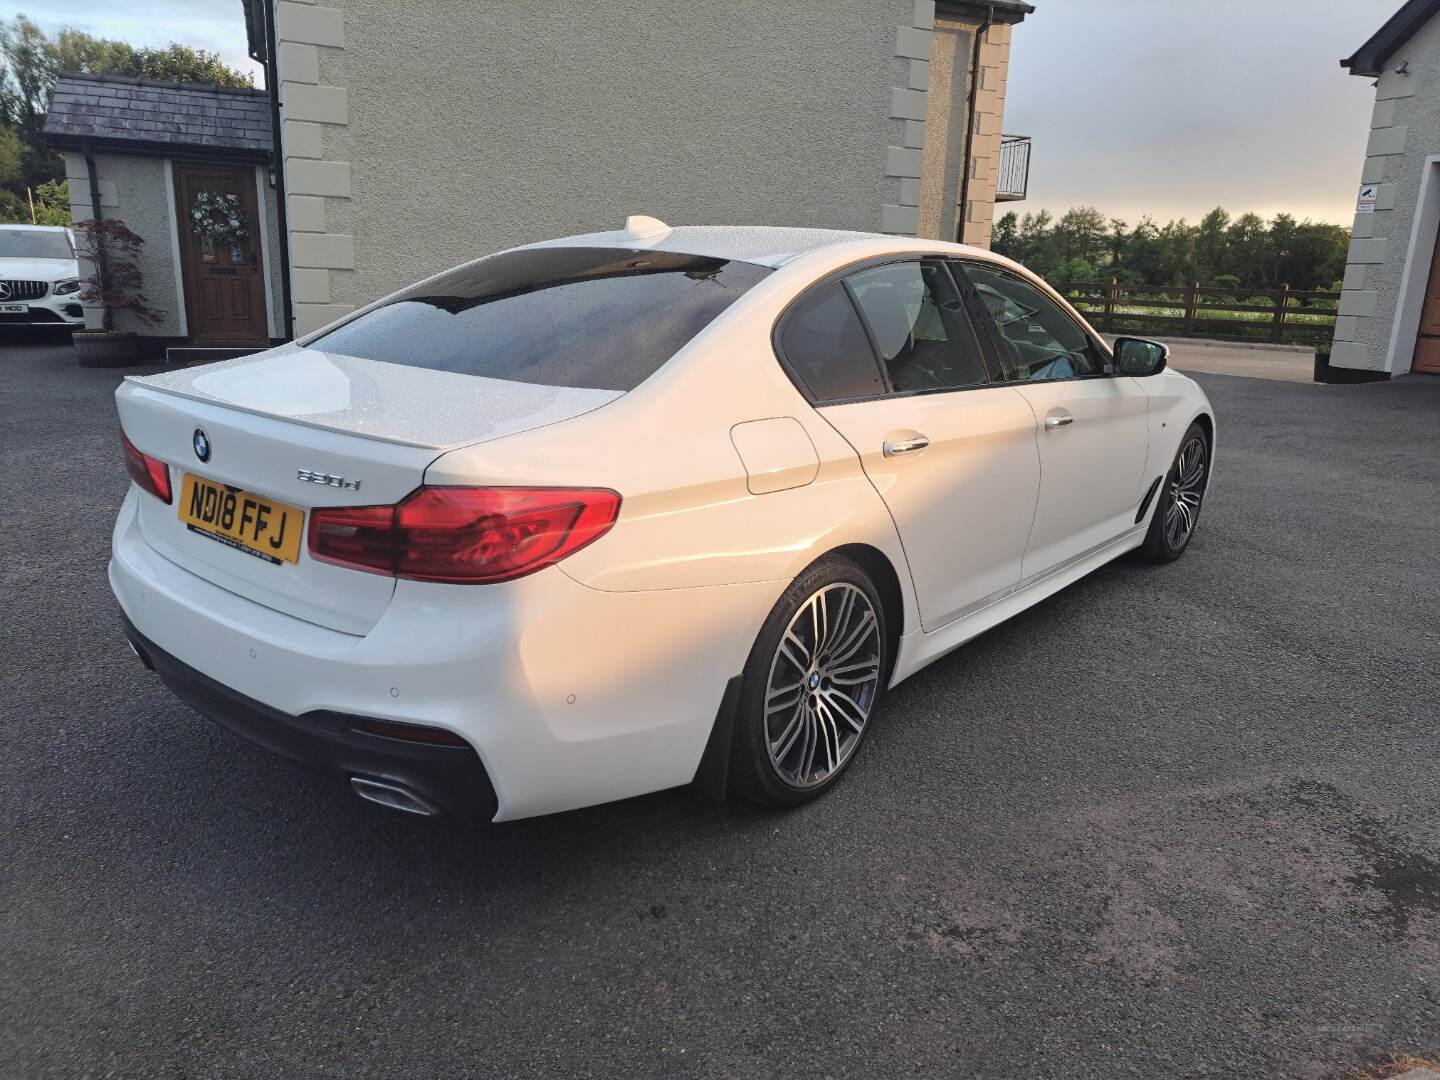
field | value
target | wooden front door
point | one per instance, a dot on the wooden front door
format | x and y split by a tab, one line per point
224	281
1427	345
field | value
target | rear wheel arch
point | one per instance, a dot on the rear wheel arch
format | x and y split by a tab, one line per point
712	774
887	583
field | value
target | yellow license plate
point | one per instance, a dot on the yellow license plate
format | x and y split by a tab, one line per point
263	528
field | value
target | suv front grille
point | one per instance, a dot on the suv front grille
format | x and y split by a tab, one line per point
21	290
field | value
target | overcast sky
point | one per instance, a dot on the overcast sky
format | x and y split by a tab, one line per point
1165	107
214	25
1172	107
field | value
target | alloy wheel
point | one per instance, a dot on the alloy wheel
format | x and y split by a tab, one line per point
1187	488
823	683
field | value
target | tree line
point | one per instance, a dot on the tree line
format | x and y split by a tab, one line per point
1243	252
30	61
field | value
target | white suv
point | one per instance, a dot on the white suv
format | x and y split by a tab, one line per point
39	276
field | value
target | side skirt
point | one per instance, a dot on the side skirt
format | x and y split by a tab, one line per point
919	648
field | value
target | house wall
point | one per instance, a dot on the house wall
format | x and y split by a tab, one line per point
952	82
140	192
275	300
1377	324
990	121
947	119
419	136
132	190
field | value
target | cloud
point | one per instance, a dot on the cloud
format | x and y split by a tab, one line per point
216	26
1172	107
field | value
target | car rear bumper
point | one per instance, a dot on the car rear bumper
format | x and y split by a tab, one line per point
451	779
570	696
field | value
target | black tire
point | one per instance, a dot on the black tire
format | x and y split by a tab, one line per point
1179	501
755	773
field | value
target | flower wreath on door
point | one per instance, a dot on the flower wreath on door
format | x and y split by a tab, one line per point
218	219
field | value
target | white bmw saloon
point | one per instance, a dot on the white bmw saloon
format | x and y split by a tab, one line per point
634	510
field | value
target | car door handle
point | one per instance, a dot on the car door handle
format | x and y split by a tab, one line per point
906	446
1058	421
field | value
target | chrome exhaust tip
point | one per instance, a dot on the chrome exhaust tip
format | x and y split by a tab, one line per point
394	796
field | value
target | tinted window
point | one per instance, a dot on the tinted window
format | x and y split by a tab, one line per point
1039	341
920	326
827	350
24	244
595	318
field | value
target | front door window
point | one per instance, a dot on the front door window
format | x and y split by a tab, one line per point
1037	340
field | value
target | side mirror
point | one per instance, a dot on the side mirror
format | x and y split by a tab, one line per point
1139	358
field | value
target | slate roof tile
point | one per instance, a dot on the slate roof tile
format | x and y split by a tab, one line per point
159	114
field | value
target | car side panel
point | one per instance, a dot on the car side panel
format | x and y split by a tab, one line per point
1094	470
964	504
688	518
1176	401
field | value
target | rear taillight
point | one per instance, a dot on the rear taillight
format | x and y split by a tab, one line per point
151	474
465	536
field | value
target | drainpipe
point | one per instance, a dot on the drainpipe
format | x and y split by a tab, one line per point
106	320
282	210
967	165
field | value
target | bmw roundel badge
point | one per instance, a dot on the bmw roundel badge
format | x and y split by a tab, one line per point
201	442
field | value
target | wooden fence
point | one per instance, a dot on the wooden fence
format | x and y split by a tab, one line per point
1276	315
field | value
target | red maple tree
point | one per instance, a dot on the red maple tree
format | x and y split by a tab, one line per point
111	249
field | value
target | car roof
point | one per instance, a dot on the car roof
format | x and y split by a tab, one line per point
35	228
763	245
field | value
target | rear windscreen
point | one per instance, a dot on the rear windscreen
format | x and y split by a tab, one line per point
591	318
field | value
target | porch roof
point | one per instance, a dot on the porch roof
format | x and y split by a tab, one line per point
112	112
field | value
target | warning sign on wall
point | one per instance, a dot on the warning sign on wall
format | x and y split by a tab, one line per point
1368	194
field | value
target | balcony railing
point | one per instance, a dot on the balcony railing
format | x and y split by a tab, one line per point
1014	179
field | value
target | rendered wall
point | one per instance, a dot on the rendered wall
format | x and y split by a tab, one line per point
947	119
990	121
1405	130
132	189
138	191
268	206
417	136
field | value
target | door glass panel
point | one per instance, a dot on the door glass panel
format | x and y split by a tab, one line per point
1038	341
827	350
920	327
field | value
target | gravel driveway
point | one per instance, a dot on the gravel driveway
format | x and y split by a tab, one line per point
1173	822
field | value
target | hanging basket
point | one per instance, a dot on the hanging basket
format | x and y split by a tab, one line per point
218	216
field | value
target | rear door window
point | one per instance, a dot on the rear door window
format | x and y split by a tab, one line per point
825	347
584	318
920	326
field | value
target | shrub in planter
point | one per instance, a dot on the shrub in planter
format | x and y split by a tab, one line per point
112	249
